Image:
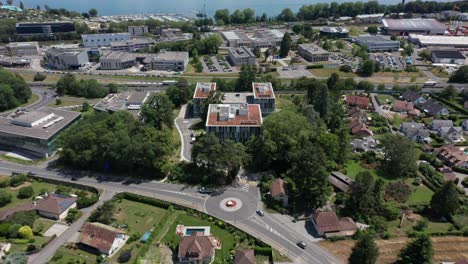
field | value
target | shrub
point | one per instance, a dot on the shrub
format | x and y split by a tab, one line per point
465	182
5	198
346	68
86	201
13	230
25	232
398	191
337	238
23	218
73	215
39	77
31	247
420	225
17	180
4	229
125	257
25	192
315	66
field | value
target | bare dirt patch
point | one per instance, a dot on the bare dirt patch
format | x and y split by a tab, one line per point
25	184
448	248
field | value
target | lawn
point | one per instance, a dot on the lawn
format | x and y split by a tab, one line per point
41	225
326	72
354	167
73	101
439	72
227	238
420	194
385	99
65	256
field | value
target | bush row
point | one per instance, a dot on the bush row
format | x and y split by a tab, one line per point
315	66
454	106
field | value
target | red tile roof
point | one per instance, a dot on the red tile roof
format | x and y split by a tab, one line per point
277	187
197	246
246	256
55	203
360	101
263	90
99	236
359	128
203	90
252	118
402	106
455	155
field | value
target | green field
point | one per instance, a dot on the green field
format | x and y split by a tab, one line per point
66	256
420	194
326	72
354	167
385	99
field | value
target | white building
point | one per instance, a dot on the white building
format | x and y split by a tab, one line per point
138	30
22	48
103	40
102	239
170	61
66	59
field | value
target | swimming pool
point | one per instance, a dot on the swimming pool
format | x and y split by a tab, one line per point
189	231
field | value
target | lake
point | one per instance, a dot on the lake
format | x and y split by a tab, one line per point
186	7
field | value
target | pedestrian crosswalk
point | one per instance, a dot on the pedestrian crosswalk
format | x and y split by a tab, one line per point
245	187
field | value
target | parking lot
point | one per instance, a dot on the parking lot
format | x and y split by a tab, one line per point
214	64
390	60
344	59
294	72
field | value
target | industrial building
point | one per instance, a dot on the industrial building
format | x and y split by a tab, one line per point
138	30
370	18
377	43
27	29
404	27
66	59
237	122
264	95
334	32
173	35
170	61
117	60
103	40
241	56
313	53
35	132
460	42
132	45
125	101
264	38
22	48
201	93
447	57
14	62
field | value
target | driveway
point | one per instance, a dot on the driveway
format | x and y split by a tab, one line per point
56	229
183	125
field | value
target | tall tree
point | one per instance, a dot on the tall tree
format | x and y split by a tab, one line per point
180	93
445	201
460	76
158	111
287	15
285	47
417	251
93	12
246	78
317	95
400	156
367	67
365	251
215	97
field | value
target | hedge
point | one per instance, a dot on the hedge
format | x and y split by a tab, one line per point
264	251
454	106
315	66
461	170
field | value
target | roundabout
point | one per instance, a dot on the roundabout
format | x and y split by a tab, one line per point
232	204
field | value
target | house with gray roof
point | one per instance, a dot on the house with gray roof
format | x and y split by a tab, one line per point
413	97
433	108
438	123
452	134
415	131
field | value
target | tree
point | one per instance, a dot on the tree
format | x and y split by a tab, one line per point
368	87
425	54
223	15
21	5
367	67
267	54
246	78
409	49
365	251
15	258
215	97
445	201
39	77
73	215
25	232
417	251
460	76
5	198
158	111
400	156
346	68
180	93
257	52
104	213
93	12
25	192
285	47
14	91
449	92
372	29
287	15
365	197
113	88
340	44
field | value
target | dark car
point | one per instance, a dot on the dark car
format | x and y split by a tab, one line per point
260	212
74	179
301	244
204	190
32	173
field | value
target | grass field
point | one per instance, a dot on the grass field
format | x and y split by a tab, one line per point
354	167
439	72
448	248
66	256
385	99
71	100
420	194
41	225
326	72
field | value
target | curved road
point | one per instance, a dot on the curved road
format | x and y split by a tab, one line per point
266	228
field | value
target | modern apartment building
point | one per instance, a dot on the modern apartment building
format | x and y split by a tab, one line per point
313	53
132	45
201	93
103	40
264	96
66	59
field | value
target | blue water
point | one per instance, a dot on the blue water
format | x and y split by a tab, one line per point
189	231
187	7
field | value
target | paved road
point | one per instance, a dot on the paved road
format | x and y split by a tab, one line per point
266	228
183	125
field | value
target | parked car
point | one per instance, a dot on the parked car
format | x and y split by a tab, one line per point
301	244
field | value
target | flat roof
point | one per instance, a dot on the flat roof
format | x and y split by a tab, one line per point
247	115
241	52
121	102
118	55
171	55
334	29
44	130
105	35
452	54
236	98
313	49
440	40
374	39
203	89
263	90
412	24
61	51
31	44
42	23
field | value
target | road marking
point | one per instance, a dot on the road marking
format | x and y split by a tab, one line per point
245	187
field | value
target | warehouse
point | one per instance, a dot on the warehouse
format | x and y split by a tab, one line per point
103	40
117	60
66	59
447	57
23	48
377	43
460	42
404	27
334	32
35	132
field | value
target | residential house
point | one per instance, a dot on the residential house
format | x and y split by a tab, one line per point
360	101
360	129
327	224
278	191
102	239
452	134
415	131
433	108
245	256
453	155
438	123
413	97
197	248
358	113
340	181
55	206
402	106
464	125
365	144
